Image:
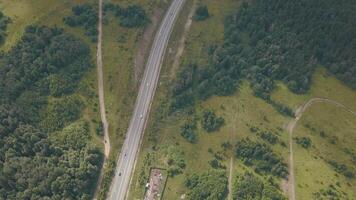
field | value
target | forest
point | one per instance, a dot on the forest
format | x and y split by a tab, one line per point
275	40
45	149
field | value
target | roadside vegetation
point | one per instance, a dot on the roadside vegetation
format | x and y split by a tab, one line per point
121	43
226	68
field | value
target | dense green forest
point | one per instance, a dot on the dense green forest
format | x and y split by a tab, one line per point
4	20
275	40
45	151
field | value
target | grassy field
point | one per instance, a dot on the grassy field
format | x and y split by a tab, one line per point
240	111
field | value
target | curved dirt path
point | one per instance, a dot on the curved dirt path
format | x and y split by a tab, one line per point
290	128
104	121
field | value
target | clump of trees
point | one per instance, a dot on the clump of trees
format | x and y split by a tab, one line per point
188	130
266	135
305	142
261	157
133	16
211	184
84	16
201	13
210	122
43	147
249	186
4	21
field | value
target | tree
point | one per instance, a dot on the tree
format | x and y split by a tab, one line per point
201	13
210	122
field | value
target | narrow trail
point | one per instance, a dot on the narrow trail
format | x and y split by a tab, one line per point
104	121
230	178
290	128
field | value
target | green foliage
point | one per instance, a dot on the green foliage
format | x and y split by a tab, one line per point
305	142
86	16
330	192
283	109
210	122
261	157
250	187
342	169
175	160
36	163
188	130
4	21
133	16
201	13
268	136
61	112
215	163
210	185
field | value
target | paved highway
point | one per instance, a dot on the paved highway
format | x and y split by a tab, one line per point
126	162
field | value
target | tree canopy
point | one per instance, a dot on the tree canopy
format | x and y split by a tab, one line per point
45	151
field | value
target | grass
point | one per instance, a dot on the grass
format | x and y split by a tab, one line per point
239	110
312	170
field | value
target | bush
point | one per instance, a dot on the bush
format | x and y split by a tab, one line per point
305	142
201	13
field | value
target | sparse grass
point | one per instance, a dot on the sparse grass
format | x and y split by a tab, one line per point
312	170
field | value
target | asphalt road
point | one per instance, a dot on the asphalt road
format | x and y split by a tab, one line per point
126	162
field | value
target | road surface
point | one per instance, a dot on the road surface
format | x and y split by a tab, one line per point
126	162
292	124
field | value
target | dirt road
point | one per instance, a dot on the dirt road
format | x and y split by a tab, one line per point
290	128
100	75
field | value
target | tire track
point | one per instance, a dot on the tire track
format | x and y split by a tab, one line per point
290	128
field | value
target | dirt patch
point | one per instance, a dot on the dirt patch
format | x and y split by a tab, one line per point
145	43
